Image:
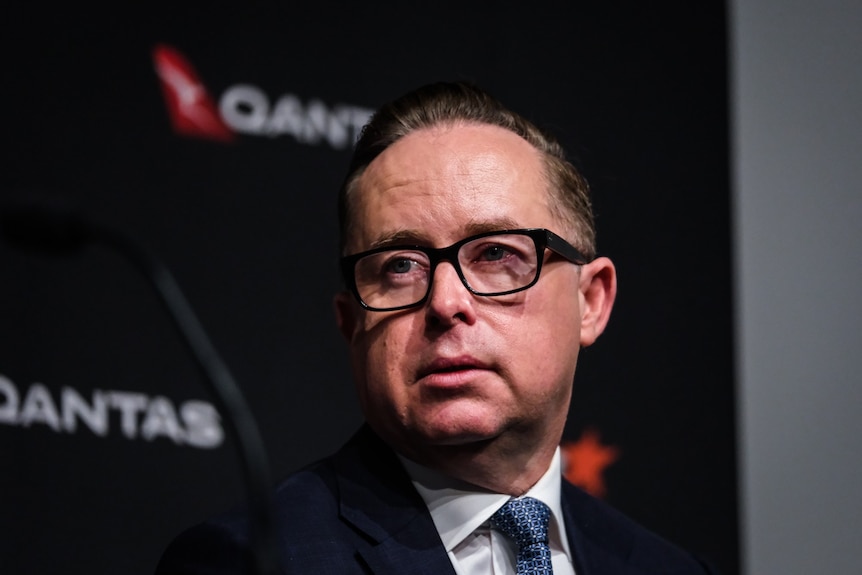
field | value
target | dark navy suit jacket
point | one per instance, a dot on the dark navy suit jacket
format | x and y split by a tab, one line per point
357	512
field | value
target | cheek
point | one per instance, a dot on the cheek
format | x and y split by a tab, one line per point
380	358
549	343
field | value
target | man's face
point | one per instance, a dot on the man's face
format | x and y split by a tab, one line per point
461	368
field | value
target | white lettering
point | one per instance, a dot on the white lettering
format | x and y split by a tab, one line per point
38	407
287	117
317	122
338	132
74	407
358	118
203	426
9	407
198	424
129	404
161	420
245	109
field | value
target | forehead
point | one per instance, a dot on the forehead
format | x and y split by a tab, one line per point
437	183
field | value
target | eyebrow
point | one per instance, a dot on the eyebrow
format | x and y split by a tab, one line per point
401	237
498	224
411	237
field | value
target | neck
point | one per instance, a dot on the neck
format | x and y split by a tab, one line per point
489	465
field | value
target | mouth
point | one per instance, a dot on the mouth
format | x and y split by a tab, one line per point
451	371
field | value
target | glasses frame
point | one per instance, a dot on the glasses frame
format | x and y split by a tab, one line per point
542	239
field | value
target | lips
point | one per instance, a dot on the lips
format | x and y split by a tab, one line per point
451	371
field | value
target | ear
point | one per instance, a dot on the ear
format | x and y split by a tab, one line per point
345	314
598	289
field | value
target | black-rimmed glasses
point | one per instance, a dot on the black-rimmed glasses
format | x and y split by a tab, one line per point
490	264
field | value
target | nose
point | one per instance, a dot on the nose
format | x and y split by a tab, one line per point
449	300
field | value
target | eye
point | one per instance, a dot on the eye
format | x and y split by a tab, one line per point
496	252
493	253
400	265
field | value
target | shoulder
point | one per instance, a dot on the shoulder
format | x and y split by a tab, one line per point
606	540
325	515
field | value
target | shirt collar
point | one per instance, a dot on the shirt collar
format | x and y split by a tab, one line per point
459	508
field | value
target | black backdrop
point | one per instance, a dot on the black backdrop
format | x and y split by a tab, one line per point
637	94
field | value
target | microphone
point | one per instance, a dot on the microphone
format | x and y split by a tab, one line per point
54	227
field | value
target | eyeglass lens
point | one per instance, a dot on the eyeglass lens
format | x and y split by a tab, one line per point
489	265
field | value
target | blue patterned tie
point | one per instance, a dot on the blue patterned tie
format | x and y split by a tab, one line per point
525	521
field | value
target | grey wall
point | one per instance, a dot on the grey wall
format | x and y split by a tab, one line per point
797	134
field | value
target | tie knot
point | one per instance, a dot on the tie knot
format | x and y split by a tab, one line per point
524	520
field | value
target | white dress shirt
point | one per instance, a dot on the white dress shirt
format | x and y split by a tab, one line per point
461	512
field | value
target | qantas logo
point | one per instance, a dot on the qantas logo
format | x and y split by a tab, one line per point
191	109
247	109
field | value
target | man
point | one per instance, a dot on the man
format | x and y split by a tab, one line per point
472	284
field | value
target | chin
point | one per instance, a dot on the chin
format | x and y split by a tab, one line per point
459	432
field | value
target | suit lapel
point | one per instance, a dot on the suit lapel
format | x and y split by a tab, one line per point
598	546
408	551
378	499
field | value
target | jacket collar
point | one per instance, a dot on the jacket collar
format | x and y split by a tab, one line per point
599	543
377	498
